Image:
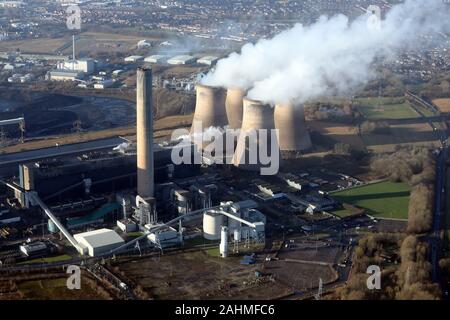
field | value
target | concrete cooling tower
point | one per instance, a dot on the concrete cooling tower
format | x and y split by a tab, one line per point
144	133
290	121
234	107
210	107
256	115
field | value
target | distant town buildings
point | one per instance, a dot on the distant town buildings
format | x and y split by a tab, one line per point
83	65
63	75
144	44
181	60
208	60
157	58
133	58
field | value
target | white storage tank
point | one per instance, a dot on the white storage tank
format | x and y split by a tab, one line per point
212	224
237	235
223	248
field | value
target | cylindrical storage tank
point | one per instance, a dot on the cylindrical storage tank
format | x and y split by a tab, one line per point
237	235
212	224
209	108
51	226
223	248
292	132
234	107
256	115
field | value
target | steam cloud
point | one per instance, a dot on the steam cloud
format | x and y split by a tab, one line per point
332	56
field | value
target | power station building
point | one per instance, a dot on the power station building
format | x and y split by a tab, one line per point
97	242
107	171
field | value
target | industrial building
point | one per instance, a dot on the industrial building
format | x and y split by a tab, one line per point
157	59
34	248
242	219
133	58
208	60
104	84
143	44
107	171
97	242
181	60
64	75
85	65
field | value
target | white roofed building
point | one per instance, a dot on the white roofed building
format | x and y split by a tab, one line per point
181	60
208	60
98	241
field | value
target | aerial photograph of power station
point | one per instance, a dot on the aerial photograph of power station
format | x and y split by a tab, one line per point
224	150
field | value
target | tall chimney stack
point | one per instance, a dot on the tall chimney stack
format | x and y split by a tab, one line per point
144	133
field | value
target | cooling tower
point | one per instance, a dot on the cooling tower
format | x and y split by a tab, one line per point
144	133
210	107
292	132
256	115
234	107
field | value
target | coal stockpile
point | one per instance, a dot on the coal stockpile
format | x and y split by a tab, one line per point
43	115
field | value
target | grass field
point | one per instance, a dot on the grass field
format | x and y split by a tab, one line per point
343	212
56	289
386	108
43	45
383	199
63	257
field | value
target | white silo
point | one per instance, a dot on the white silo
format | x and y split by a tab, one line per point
237	235
223	248
212	223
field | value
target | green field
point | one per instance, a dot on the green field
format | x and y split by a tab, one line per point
63	257
343	212
386	108
383	199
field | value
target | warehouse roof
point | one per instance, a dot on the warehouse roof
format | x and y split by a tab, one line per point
181	58
207	59
99	238
67	73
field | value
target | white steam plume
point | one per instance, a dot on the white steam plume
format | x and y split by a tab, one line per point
332	56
